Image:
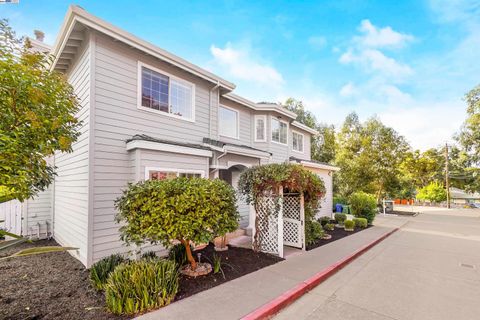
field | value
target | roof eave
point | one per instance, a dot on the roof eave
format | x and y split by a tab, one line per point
77	14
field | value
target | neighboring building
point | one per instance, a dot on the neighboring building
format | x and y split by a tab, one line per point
148	114
459	196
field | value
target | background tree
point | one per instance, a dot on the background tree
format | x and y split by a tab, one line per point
433	192
323	144
369	157
37	108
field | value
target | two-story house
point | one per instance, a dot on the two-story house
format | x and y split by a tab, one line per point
148	114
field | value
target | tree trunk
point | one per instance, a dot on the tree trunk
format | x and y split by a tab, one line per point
193	263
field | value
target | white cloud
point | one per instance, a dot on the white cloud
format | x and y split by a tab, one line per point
381	37
317	42
374	60
241	64
365	51
348	90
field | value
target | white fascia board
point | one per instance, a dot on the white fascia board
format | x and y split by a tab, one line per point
317	165
77	14
247	152
157	146
254	106
304	127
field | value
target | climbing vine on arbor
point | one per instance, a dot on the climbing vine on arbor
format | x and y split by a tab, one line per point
265	181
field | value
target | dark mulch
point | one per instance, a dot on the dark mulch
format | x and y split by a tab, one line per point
236	262
337	233
47	286
56	285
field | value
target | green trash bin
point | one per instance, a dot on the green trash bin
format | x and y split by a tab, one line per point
346	209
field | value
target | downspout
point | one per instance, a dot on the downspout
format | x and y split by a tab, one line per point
210	108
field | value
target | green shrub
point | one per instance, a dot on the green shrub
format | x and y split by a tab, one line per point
149	255
100	271
433	192
349	225
178	254
324	220
360	222
329	227
340	218
363	205
181	209
313	232
141	285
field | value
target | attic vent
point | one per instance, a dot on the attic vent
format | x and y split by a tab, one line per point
465	265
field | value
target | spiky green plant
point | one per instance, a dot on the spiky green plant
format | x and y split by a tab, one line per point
149	255
100	271
178	254
141	285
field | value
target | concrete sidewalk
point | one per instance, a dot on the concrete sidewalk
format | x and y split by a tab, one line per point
239	297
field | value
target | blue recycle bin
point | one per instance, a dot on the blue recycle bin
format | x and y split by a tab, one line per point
338	208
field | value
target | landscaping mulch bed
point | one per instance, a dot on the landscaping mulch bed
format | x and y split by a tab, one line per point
236	262
47	286
57	286
337	233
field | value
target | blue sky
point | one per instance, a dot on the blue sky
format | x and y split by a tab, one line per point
407	62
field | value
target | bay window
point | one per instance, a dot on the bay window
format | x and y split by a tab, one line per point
279	131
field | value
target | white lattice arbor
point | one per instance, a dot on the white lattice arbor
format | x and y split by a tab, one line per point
280	220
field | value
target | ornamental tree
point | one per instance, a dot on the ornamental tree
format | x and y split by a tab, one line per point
37	107
183	209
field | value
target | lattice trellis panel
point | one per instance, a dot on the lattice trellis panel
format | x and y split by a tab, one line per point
291	206
292	221
267	219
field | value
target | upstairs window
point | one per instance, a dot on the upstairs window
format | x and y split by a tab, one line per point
260	128
297	141
228	122
166	94
279	131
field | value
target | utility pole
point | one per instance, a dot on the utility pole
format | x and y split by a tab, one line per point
447	179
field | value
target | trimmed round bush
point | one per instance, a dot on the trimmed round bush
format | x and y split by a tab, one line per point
360	222
329	227
340	218
184	209
100	270
313	231
324	220
363	205
141	285
349	225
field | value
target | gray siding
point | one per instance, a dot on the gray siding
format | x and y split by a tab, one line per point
117	118
245	123
71	183
38	219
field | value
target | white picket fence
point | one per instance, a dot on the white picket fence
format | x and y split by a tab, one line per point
11	215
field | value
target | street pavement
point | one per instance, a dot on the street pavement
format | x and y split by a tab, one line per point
429	269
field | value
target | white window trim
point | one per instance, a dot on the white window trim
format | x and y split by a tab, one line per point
237	137
264	117
139	92
271	138
303	141
177	171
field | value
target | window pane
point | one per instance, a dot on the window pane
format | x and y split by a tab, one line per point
228	122
260	129
275	130
283	132
154	90
181	99
297	142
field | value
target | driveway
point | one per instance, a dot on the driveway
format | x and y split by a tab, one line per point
429	269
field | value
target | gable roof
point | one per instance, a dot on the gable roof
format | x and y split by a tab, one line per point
78	19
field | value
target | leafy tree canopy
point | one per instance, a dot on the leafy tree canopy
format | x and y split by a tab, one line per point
433	192
37	107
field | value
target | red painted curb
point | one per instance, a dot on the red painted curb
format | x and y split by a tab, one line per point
271	308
